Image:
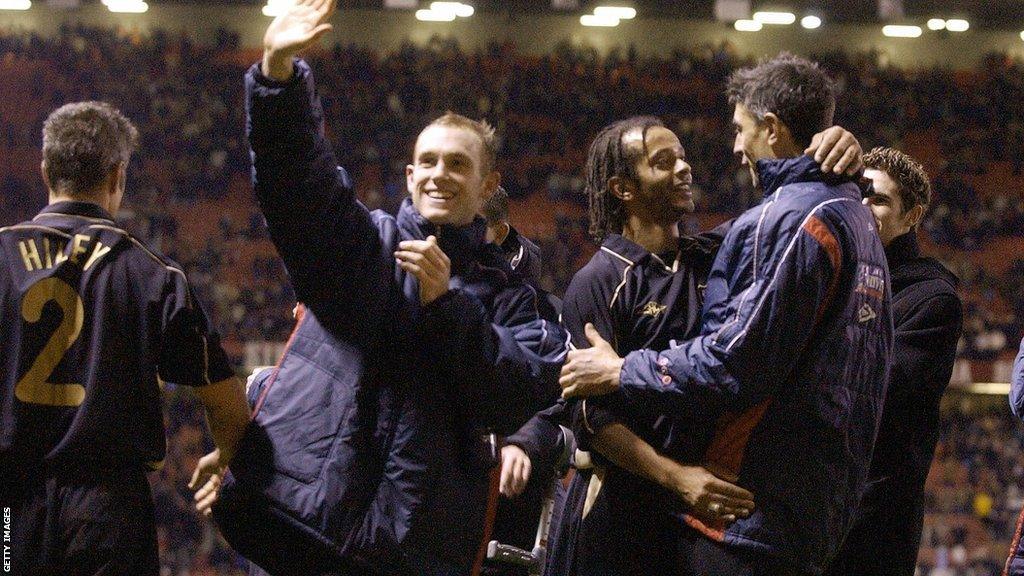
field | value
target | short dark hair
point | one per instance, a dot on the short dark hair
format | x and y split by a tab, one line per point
495	210
83	142
488	141
796	90
911	180
609	157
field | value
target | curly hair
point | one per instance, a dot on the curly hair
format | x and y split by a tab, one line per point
607	158
911	180
83	142
796	90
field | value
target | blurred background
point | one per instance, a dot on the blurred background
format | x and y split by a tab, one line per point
940	80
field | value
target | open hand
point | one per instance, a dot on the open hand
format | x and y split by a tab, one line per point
293	31
710	498
591	371
837	150
206	481
425	260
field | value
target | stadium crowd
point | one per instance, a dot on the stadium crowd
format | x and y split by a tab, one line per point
193	166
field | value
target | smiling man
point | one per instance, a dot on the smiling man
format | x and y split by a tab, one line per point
795	341
927	317
368	453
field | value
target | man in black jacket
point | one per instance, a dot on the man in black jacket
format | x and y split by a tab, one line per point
522	254
927	318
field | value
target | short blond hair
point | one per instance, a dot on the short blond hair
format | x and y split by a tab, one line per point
483	130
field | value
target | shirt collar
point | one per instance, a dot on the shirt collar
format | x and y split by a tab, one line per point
76	208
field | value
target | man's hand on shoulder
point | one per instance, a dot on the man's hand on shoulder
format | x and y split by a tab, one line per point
296	29
837	150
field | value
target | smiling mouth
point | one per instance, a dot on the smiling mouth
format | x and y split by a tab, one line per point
439	195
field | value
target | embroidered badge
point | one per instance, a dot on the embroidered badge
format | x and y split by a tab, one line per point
866	313
653	309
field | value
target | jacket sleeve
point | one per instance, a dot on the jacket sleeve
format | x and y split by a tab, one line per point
1017	384
586	302
924	347
327	239
541	436
504	365
767	324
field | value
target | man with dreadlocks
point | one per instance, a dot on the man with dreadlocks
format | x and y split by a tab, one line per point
643	287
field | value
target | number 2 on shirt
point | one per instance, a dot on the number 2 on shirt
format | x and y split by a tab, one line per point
33	387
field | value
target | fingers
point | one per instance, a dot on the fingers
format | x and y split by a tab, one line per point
826	143
194	481
570	391
850	163
207	496
815	144
835	153
594	336
515	471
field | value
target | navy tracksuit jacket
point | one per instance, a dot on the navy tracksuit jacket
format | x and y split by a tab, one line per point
366	447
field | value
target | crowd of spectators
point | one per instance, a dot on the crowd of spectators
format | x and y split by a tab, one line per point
193	166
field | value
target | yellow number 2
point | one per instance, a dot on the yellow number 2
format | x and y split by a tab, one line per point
33	387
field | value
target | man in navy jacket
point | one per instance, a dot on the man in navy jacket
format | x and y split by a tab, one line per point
416	340
1015	562
796	340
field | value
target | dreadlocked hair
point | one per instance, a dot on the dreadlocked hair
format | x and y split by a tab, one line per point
609	157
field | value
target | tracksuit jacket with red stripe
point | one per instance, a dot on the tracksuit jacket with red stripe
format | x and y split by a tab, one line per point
796	339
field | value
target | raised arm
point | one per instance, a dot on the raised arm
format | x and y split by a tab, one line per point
327	239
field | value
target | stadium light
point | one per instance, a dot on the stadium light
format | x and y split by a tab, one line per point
275	8
126	6
434	16
458	8
1022	34
936	24
15	4
602	21
957	25
778	18
620	12
900	31
747	25
810	22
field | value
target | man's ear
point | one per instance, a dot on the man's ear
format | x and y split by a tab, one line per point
775	128
46	179
621	188
915	216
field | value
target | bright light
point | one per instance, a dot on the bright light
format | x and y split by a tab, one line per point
897	31
127	6
620	12
458	8
810	22
783	18
274	8
15	4
595	20
434	16
747	25
936	24
957	25
1022	34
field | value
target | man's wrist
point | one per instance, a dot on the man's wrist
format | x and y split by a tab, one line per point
277	67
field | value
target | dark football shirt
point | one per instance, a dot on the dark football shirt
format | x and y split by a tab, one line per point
91	321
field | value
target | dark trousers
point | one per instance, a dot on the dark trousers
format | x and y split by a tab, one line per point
82	527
